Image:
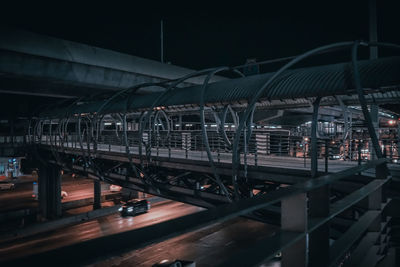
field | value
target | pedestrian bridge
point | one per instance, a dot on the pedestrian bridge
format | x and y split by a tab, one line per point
330	210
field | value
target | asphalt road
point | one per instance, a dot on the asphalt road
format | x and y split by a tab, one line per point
207	247
111	224
21	196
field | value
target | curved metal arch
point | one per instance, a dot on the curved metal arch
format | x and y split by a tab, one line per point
360	92
156	118
319	50
159	98
204	131
127	107
251	105
223	119
203	128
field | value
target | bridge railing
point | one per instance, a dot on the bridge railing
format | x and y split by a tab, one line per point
303	239
259	148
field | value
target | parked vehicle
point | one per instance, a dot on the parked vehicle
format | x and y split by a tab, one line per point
176	263
115	188
134	206
6	185
63	194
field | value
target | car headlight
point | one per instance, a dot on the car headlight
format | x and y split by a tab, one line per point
130	209
120	209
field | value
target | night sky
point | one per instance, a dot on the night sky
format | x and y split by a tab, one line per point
206	35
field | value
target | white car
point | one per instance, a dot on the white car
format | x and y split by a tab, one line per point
6	185
115	188
64	194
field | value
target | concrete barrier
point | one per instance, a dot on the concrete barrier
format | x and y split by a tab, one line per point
16	214
19	214
58	223
87	201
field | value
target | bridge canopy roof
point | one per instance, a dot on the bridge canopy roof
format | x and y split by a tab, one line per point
379	75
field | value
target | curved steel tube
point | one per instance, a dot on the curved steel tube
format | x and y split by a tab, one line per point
157	100
363	102
251	105
204	131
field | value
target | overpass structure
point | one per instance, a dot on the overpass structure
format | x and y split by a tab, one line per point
39	65
226	158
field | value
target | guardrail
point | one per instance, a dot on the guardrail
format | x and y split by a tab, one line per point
303	239
264	148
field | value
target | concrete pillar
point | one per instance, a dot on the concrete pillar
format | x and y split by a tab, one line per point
49	191
42	191
294	219
97	195
55	189
318	243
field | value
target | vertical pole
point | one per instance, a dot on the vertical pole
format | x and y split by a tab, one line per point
294	218
351	136
162	41
398	140
326	155
186	146
256	155
245	150
314	144
169	147
218	150
373	32
391	151
158	143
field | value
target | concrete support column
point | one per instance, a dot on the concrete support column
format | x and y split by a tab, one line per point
294	219
318	243
49	191
55	182
97	194
42	191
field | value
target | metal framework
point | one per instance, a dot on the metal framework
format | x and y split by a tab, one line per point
230	180
315	83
